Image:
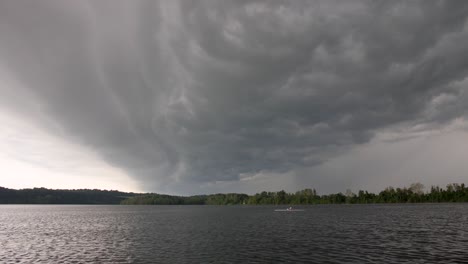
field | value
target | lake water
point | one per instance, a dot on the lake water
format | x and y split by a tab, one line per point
234	234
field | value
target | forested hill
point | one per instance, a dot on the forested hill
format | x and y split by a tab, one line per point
413	194
51	196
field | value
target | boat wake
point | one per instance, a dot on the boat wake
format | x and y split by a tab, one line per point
290	209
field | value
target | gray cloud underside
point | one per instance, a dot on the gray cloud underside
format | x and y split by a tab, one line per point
201	91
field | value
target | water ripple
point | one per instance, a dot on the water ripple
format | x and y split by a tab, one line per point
435	233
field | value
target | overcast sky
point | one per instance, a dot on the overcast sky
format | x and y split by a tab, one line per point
187	97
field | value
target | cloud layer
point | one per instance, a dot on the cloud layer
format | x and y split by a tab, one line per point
183	93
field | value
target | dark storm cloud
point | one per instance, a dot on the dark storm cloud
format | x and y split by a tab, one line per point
201	91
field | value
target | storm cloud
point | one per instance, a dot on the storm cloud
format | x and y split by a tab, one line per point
183	93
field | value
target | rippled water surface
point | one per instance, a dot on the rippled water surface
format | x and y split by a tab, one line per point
234	234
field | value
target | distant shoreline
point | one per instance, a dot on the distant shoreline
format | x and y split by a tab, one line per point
453	193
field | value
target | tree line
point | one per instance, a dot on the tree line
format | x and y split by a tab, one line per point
413	194
212	199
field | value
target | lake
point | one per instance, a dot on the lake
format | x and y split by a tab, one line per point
413	233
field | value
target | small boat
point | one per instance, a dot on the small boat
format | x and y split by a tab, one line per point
289	209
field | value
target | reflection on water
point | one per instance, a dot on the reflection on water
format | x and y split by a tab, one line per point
233	234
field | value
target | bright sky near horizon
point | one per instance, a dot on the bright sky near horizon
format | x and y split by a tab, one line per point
190	97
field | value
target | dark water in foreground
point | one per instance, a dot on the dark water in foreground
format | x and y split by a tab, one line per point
234	234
